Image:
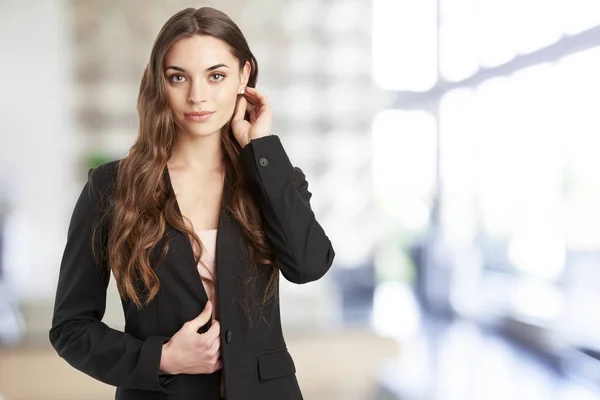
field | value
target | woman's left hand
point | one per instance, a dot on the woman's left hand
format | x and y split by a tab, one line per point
261	117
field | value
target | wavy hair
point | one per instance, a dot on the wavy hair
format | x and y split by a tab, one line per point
142	201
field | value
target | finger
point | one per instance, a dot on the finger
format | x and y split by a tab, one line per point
202	318
254	92
253	113
252	96
250	99
264	109
255	95
214	332
216	347
260	104
240	108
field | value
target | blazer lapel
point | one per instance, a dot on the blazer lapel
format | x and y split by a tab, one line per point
228	241
182	254
228	238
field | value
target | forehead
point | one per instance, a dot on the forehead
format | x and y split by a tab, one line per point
199	52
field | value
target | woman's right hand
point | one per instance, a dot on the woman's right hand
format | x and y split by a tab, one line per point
190	352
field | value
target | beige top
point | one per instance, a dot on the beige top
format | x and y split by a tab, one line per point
208	272
206	266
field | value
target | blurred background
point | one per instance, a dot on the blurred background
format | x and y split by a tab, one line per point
452	148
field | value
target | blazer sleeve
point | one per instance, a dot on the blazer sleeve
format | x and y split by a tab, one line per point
303	252
78	333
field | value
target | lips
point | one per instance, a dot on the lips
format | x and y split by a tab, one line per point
198	116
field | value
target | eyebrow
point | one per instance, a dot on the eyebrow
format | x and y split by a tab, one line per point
176	68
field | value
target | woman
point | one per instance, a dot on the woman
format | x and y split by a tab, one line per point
195	224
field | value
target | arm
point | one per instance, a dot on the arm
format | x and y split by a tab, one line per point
303	252
78	333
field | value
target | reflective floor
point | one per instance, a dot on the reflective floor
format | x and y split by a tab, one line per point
460	361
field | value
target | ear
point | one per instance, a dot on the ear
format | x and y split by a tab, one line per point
244	76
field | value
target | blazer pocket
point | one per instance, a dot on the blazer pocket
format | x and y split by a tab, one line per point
275	364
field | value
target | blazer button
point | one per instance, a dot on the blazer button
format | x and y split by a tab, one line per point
263	162
228	336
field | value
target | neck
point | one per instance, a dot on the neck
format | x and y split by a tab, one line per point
197	153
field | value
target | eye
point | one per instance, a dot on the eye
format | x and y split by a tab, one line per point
218	74
177	78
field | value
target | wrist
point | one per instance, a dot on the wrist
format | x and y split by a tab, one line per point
259	136
165	360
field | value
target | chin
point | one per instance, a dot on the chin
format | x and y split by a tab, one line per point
196	129
203	132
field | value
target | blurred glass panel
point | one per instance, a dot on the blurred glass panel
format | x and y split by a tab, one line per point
495	33
537	301
489	33
518	162
395	311
537	246
579	86
536	24
458	39
580	15
521	160
349	219
458	158
405	44
577	81
404	150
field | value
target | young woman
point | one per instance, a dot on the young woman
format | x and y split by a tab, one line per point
195	224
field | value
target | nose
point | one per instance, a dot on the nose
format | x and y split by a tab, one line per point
198	92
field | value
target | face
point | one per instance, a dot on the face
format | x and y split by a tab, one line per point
201	75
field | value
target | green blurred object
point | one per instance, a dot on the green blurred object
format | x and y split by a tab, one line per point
95	158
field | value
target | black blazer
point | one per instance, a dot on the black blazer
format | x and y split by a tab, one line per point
256	363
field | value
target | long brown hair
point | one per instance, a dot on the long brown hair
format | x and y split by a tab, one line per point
142	201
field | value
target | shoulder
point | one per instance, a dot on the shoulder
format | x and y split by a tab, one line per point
299	177
102	180
105	171
103	175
